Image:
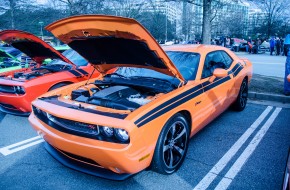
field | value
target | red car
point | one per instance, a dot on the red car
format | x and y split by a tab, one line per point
19	88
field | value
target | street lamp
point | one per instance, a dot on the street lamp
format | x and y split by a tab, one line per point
41	31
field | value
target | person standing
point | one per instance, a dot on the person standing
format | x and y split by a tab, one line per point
278	45
282	46
249	44
272	45
287	65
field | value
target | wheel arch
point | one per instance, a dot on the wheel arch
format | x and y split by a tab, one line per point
187	116
60	83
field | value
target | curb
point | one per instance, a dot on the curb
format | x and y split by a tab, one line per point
269	97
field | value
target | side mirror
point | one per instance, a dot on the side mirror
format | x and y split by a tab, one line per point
288	78
220	73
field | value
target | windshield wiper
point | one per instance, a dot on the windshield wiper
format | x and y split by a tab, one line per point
153	79
116	74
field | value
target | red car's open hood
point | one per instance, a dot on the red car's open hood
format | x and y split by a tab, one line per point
108	42
32	46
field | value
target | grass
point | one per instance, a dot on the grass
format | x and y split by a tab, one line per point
266	84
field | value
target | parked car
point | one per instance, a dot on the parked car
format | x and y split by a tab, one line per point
144	113
9	53
20	60
265	46
19	88
9	57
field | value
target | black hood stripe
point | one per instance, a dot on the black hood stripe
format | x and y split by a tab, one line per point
54	100
75	73
178	97
178	100
82	71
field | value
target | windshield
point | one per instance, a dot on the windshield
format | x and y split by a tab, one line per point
13	52
73	56
186	63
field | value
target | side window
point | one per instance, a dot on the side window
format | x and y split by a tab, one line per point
213	60
228	59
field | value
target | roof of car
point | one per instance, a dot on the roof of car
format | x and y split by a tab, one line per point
198	48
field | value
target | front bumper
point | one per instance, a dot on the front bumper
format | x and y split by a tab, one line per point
83	167
15	105
9	109
99	156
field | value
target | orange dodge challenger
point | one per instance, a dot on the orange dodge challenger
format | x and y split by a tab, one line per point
144	113
19	88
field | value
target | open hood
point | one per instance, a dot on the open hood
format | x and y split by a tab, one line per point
32	46
108	42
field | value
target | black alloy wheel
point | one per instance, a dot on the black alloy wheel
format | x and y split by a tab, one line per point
242	99
172	145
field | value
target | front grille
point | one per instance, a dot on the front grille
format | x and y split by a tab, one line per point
7	89
67	126
74	127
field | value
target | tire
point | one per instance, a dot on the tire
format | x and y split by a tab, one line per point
241	101
58	86
169	154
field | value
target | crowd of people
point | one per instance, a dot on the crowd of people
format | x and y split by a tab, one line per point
277	46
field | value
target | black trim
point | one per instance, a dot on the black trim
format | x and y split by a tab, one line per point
238	71
180	96
235	67
82	167
82	71
178	103
13	111
75	73
218	82
54	100
180	100
77	157
73	127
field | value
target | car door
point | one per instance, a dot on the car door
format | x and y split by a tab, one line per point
218	91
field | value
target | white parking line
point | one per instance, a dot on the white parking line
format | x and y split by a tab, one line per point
234	170
212	174
20	145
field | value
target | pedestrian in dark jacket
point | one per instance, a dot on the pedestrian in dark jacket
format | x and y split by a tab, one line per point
272	45
278	45
282	46
249	45
287	65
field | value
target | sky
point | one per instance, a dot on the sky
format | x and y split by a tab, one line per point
41	1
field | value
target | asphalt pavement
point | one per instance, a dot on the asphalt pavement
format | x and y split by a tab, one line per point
265	64
238	150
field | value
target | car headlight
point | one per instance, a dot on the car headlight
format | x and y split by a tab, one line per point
121	135
50	117
19	90
107	131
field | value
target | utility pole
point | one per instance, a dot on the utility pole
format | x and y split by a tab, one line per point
165	21
41	31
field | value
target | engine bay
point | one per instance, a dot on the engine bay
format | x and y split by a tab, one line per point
119	97
43	70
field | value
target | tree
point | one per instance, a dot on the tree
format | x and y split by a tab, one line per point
11	6
128	8
274	10
160	31
77	7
